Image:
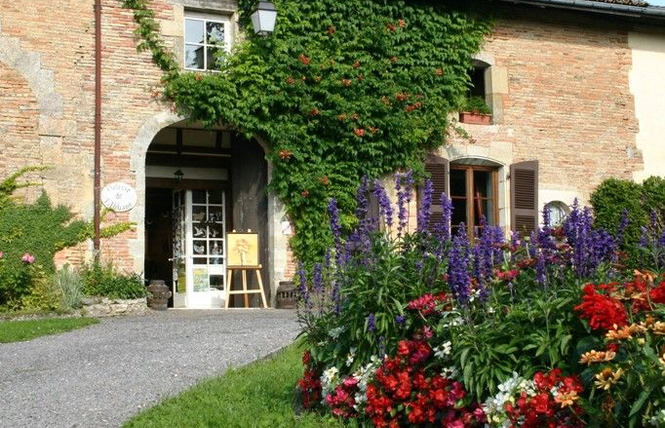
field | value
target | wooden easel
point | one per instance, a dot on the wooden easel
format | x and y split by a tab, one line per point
243	271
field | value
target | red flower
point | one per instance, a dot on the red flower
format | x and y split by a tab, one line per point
401	23
356	64
439	72
332	30
359	132
285	154
304	59
602	311
390	27
508	275
305	193
324	180
401	96
314	112
346	82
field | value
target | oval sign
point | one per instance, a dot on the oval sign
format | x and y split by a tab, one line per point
119	196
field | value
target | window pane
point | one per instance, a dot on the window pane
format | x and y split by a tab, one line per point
193	31
199	197
459	212
484	207
457	182
482	181
194	57
214	59
215	33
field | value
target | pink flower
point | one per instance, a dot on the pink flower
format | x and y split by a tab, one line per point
2	254
28	258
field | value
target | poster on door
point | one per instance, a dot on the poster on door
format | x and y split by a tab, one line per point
201	281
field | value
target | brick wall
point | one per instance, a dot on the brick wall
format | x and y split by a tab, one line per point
567	103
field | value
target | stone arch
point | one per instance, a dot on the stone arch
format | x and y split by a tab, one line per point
29	65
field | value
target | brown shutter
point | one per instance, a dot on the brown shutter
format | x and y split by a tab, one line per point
437	168
524	197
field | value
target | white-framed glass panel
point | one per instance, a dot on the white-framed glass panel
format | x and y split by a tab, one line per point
207	37
557	211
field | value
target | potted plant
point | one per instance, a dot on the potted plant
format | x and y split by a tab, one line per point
474	110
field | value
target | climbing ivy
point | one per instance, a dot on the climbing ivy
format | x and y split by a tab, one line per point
340	90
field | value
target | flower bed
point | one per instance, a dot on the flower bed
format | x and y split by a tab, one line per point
427	329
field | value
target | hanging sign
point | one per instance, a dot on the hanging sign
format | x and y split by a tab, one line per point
119	196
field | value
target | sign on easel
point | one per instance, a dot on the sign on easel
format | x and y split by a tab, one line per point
243	249
243	255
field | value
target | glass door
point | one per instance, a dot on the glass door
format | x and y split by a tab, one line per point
201	262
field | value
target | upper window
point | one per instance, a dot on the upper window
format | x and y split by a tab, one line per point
474	108
207	37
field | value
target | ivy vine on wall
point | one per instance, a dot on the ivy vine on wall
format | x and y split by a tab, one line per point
340	90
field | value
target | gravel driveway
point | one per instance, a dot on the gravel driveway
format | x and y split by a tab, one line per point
101	375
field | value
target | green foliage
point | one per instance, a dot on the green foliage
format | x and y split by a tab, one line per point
17	331
103	279
397	274
614	196
476	105
525	329
44	295
37	231
357	88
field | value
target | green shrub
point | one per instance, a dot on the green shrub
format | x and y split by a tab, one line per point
37	230
103	279
613	197
43	295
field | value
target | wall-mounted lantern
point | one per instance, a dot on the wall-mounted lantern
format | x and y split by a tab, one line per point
264	17
179	175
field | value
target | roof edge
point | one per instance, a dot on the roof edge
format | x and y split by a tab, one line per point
649	13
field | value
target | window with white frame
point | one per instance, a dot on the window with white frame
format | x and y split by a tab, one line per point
207	38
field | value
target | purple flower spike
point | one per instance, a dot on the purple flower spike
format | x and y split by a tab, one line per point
424	211
371	325
385	208
458	267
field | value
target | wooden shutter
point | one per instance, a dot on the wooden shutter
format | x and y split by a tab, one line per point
438	168
524	197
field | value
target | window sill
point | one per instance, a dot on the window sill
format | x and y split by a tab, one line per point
475	118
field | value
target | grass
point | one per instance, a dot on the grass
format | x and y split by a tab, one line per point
255	396
17	331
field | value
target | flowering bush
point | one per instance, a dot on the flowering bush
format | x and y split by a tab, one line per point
432	329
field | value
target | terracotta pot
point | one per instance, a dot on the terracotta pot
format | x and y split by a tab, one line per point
475	118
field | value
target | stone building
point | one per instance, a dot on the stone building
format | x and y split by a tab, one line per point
576	90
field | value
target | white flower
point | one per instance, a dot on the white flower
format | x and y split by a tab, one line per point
335	332
443	350
350	357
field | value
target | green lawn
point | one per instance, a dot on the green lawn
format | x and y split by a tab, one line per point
256	396
17	331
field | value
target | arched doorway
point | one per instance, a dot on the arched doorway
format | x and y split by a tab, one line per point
201	184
